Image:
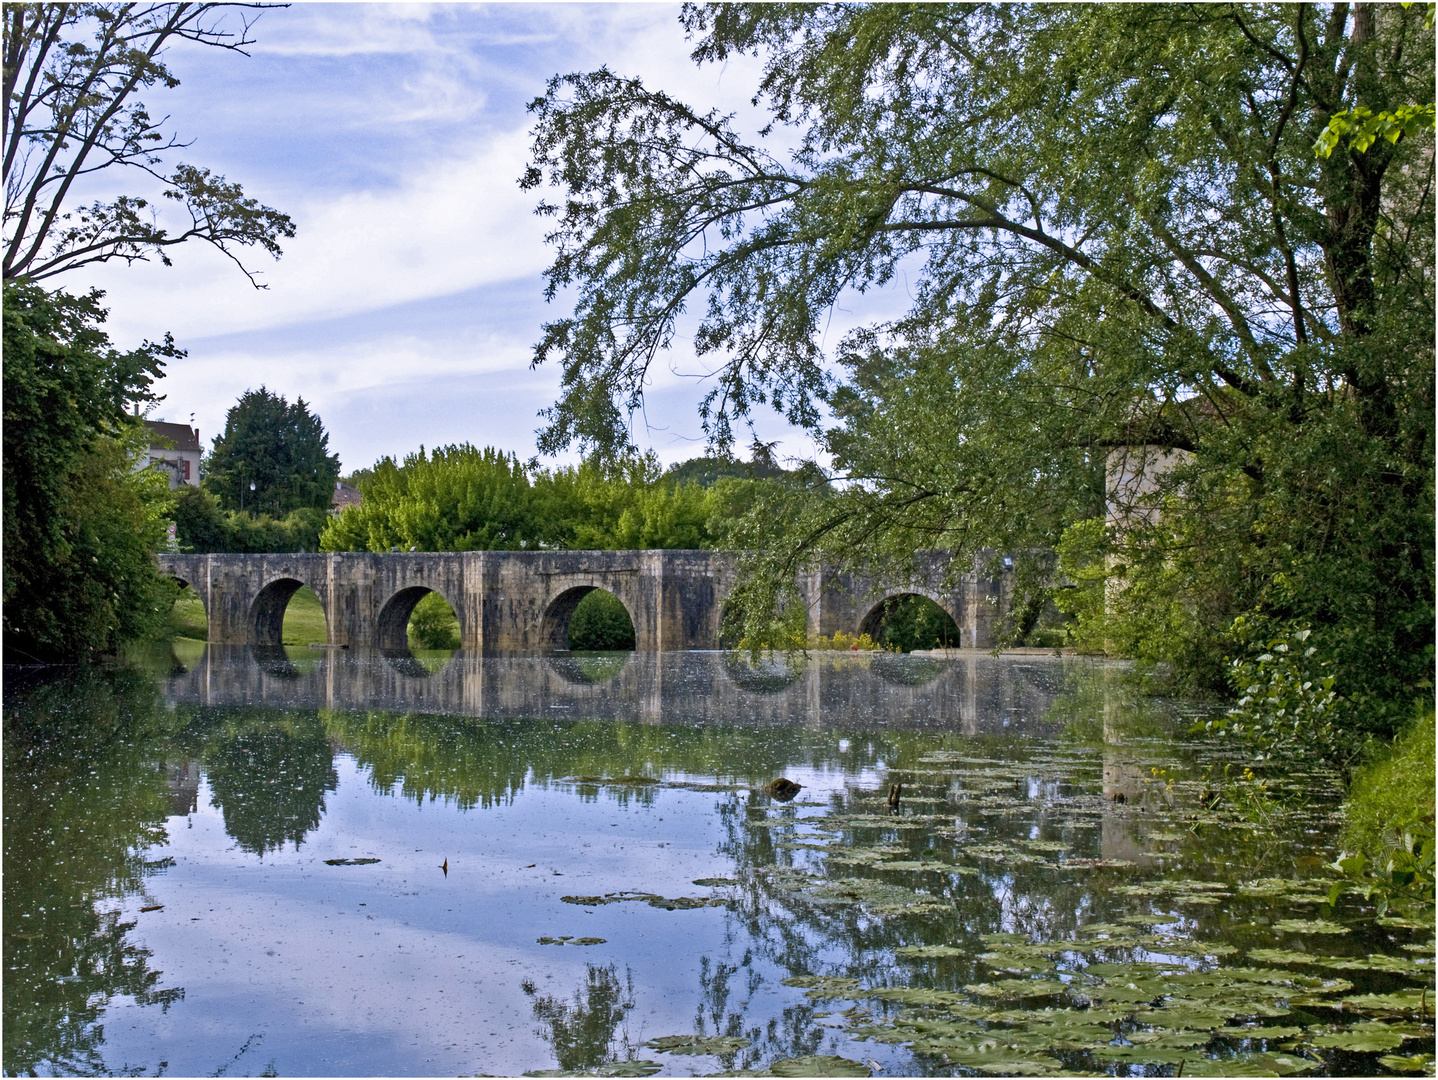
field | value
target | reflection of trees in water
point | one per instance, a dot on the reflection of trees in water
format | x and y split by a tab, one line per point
802	934
83	801
478	763
582	1033
269	774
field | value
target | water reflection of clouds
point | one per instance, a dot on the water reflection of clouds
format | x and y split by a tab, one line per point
285	935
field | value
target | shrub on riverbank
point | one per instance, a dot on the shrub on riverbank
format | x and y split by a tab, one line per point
1392	790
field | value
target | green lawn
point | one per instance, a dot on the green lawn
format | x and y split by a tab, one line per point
187	620
305	619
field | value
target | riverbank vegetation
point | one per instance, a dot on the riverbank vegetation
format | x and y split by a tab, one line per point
463	498
1161	350
80	521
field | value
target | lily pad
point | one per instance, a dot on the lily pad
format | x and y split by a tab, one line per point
929	952
1417	1063
1020	988
697	1044
628	1068
350	862
714	882
823	986
819	1065
1358	1042
1309	926
1401	1001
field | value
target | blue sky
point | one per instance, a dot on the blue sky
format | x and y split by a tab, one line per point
405	308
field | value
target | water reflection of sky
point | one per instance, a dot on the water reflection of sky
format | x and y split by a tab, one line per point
277	960
396	967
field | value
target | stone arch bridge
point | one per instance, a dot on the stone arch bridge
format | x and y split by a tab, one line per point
520	601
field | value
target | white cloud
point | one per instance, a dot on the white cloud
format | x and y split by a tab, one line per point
455	223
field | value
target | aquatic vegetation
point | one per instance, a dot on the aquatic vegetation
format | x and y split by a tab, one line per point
676	903
818	1065
697	1044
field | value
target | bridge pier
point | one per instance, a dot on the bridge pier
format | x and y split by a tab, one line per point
520	601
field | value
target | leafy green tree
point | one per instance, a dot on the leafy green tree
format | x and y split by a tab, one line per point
457	498
460	498
432	624
72	73
1115	232
80	520
280	449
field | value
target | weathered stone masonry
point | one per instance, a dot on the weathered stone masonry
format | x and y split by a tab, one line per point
521	601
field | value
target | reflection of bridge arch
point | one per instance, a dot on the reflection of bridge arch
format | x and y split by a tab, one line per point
873	621
589	670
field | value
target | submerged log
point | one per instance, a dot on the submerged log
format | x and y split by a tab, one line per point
781	788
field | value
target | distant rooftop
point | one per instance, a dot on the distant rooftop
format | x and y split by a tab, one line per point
182	435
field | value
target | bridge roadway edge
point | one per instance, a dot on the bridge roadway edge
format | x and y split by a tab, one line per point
510	602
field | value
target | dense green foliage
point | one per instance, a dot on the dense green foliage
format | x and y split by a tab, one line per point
1114	232
601	621
461	498
80	520
1393	791
279	448
201	526
915	622
432	624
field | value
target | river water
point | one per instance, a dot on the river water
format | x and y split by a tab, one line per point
223	862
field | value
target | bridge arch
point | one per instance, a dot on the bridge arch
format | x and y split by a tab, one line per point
554	632
267	611
392	625
873	621
181	585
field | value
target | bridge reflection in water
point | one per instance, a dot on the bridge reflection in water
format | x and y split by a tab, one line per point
975	694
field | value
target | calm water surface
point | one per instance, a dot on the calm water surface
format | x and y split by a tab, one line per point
299	863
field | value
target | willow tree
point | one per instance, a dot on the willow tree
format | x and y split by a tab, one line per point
1113	229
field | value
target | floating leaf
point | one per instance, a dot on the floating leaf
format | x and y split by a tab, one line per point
822	986
1022	988
697	1044
350	862
1402	1001
1358	1042
1417	1063
1309	926
819	1065
1143	1055
714	882
929	952
628	1068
